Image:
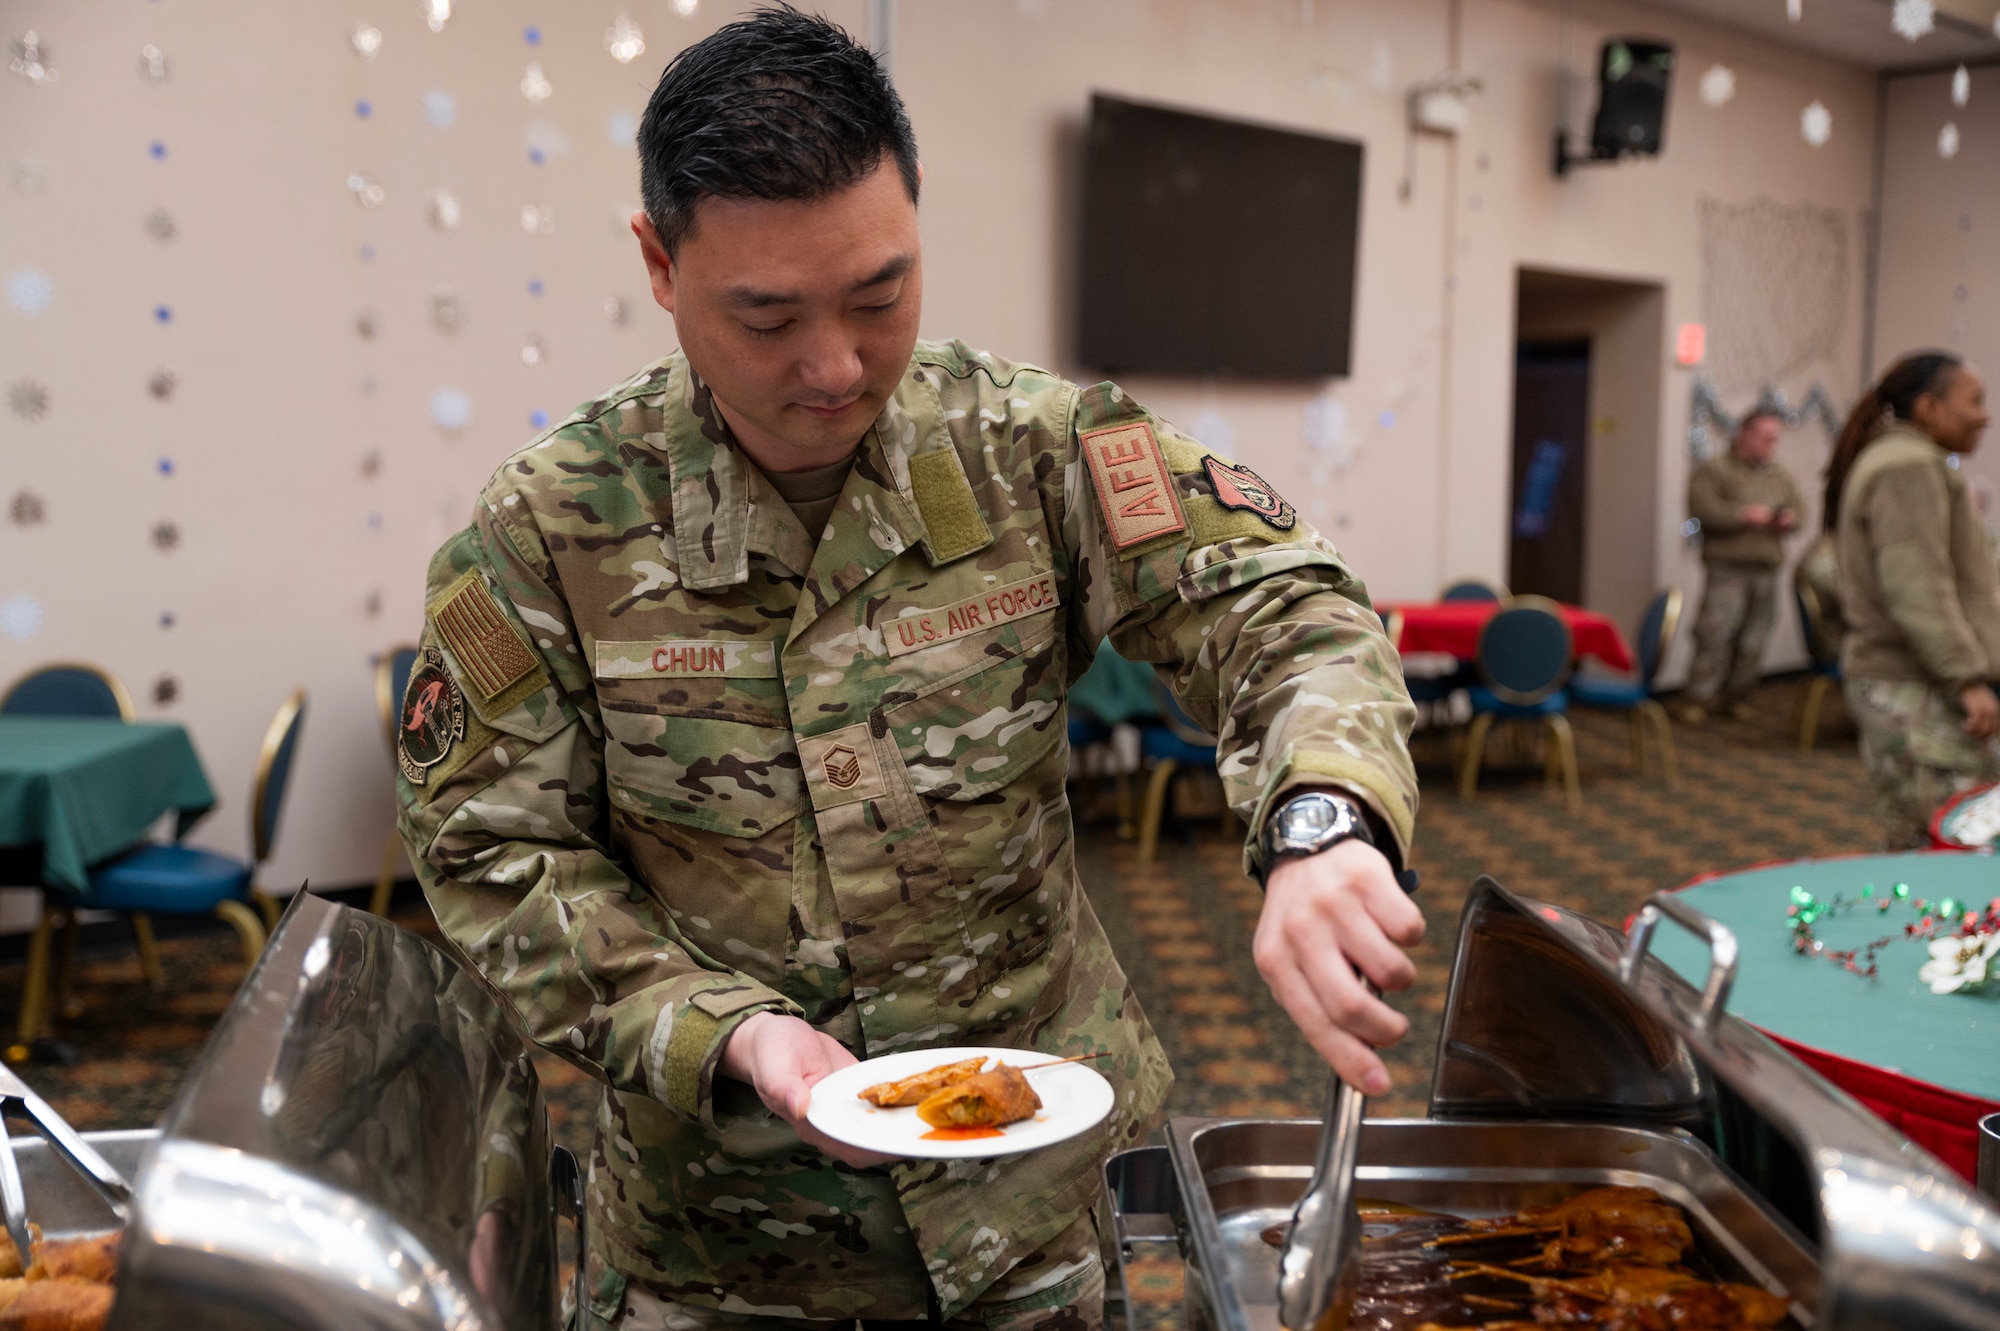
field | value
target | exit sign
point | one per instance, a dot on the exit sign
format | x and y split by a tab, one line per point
1690	344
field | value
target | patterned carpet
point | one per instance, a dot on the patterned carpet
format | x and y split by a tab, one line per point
1182	925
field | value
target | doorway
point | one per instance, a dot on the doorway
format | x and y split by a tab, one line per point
1551	460
1584	503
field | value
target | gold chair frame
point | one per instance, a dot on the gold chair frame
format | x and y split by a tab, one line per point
1822	684
1649	712
386	705
1562	739
126	712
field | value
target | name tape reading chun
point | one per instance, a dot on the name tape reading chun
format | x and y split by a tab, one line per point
927	628
686	656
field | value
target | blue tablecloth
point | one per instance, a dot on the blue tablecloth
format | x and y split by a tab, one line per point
86	788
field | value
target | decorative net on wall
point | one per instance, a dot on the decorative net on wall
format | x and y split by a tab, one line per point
1773	288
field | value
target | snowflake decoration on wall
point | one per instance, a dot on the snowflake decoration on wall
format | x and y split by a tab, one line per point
446	311
533	353
624	40
366	40
451	410
440	109
30	290
1913	18
367	191
153	63
166	690
20	617
545	142
1718	85
538	219
1948	141
1816	124
535	85
436	14
614	311
28	399
163	382
444	210
166	536
686	8
27	509
31	59
160	225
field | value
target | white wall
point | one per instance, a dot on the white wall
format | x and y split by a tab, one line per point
298	563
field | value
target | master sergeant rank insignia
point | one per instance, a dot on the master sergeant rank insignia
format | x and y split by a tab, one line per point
432	719
1244	490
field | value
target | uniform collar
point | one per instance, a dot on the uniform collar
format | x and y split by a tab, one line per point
724	508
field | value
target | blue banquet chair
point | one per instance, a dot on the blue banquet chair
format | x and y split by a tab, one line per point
1475	589
1525	656
1825	664
1173	742
392	680
174	880
1634	696
67	688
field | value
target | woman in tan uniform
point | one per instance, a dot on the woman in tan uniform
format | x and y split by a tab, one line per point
1918	590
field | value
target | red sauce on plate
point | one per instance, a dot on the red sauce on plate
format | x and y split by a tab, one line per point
960	1134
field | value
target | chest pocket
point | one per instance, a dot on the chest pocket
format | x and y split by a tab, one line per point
971	717
715	754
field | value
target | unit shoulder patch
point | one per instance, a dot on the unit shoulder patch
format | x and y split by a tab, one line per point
489	650
432	718
1135	490
1243	490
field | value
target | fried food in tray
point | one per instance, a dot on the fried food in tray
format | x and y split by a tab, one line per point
1617	1259
917	1088
66	1288
983	1100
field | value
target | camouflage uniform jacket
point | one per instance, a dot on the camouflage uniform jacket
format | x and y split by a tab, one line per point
677	762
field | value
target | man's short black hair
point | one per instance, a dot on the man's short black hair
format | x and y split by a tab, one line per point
780	105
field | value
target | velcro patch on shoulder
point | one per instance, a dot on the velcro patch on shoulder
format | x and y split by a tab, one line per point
1135	491
488	649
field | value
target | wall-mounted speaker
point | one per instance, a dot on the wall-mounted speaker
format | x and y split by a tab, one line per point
1632	79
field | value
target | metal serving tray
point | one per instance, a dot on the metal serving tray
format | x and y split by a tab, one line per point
60	1203
1570	1058
1228	1180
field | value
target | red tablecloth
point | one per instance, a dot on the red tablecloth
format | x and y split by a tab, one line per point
1452	629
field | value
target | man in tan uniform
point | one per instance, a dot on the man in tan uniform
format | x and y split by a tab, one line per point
737	751
1746	504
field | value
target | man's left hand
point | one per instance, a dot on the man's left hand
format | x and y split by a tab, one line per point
1325	917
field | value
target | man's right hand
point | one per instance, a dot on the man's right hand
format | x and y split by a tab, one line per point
1756	515
1982	710
783	1057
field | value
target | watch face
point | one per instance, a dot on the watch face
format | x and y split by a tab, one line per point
1307	818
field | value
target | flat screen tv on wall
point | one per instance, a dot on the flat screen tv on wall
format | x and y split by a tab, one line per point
1213	247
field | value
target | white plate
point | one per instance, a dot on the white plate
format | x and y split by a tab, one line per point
1075	1097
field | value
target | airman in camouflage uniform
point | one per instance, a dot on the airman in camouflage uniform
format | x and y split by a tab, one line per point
704	794
710	766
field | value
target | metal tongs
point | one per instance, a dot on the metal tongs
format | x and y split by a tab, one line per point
1319	1271
108	1183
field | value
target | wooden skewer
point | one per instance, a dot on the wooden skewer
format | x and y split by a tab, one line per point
1056	1062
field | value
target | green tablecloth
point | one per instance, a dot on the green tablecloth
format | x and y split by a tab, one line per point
1893	1021
86	788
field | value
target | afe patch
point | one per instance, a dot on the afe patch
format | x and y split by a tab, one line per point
432	719
486	645
1245	491
1135	491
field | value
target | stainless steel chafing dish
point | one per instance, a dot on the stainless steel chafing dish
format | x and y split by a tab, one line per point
1572	1058
363	1144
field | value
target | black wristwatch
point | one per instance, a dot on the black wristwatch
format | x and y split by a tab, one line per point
1309	822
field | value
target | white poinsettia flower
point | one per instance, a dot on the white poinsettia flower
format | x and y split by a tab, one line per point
1959	963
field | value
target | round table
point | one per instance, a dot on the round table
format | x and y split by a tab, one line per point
1928	1063
1451	628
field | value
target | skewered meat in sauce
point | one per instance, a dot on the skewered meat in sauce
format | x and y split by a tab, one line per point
915	1089
1616	1259
983	1100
